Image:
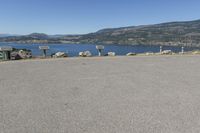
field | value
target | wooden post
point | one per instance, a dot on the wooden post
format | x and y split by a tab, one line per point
182	50
161	49
100	48
44	53
44	49
99	52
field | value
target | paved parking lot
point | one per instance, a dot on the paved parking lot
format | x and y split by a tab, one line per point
157	94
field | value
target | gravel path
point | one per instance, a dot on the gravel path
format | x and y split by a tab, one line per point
157	94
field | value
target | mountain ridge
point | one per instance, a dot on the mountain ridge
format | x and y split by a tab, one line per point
177	33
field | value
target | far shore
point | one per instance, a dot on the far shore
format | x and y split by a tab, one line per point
105	44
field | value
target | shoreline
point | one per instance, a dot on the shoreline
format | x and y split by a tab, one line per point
171	50
97	57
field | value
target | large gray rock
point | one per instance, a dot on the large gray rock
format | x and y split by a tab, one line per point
85	54
60	55
111	54
131	54
166	52
21	54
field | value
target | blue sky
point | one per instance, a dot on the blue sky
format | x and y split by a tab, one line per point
84	16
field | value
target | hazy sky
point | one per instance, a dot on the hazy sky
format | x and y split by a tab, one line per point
84	16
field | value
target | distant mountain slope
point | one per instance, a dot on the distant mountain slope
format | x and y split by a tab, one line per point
173	33
6	35
31	38
38	36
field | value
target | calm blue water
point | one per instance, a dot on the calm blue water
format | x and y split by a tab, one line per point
74	49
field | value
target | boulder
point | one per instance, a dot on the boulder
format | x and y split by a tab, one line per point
131	54
15	56
80	54
21	54
85	54
111	54
60	55
166	52
196	52
25	54
149	53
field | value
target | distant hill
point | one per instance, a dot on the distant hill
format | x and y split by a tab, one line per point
31	38
38	36
6	35
173	34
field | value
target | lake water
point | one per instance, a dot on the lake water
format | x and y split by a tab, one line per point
74	49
